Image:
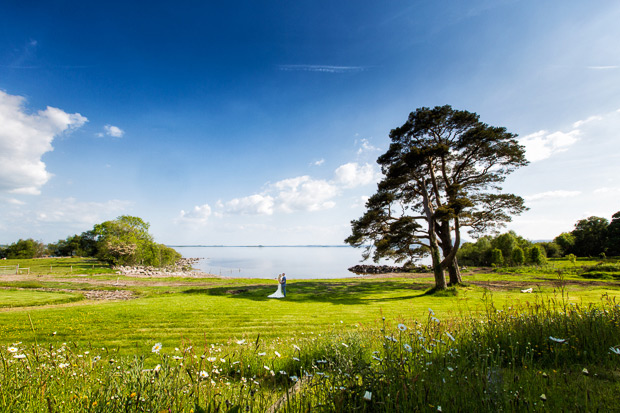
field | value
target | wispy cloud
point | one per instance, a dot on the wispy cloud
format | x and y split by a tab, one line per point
365	146
321	68
318	163
552	194
113	131
603	67
198	215
542	144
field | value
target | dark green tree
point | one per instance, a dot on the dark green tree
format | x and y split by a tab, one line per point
25	249
537	255
590	236
566	241
613	236
442	173
497	258
518	257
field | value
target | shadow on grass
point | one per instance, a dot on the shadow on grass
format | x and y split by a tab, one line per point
340	293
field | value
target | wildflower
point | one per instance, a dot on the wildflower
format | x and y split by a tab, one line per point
273	373
296	347
391	338
262	354
203	374
267	367
407	347
223	360
450	369
282	372
367	396
177	357
557	340
156	348
12	349
430	310
96	358
295	358
63	365
211	359
157	368
615	350
585	371
439	409
435	319
19	356
543	397
402	327
294	378
450	336
241	342
321	361
277	354
235	362
376	358
346	345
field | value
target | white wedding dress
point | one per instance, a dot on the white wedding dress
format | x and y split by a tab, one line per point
278	293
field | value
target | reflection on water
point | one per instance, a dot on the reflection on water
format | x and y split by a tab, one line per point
268	262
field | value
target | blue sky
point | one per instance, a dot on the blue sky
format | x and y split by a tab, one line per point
260	122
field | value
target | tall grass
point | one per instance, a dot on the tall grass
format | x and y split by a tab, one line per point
549	355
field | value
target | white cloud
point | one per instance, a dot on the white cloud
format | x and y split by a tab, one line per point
24	138
552	194
113	131
199	215
321	68
360	202
351	175
318	163
366	146
304	194
69	210
603	67
607	190
251	205
588	120
542	144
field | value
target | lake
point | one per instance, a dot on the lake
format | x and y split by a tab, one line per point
268	262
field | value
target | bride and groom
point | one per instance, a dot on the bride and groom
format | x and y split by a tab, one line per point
281	291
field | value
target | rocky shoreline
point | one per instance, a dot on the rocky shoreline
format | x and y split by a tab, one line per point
182	268
386	269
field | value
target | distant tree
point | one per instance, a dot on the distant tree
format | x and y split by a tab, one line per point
126	241
2	252
590	236
518	257
572	258
442	172
537	255
497	258
552	250
612	240
506	243
478	253
566	241
25	249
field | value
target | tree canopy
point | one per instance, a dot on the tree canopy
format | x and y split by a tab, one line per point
442	172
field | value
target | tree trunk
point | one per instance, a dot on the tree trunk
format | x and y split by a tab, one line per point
440	278
455	272
447	247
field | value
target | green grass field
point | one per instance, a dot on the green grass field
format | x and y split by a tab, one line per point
49	309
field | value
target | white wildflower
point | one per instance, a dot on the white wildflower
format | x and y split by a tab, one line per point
367	396
557	340
156	348
402	327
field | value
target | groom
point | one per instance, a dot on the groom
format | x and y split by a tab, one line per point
283	283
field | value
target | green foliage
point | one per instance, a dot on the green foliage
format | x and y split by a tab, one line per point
518	257
590	236
497	257
572	258
537	255
613	236
552	249
566	241
126	241
27	248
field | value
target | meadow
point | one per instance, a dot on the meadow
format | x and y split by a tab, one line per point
355	344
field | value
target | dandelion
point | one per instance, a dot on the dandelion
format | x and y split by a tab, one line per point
156	348
12	349
615	350
203	374
557	340
367	396
407	347
402	327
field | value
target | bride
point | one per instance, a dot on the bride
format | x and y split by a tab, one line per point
278	293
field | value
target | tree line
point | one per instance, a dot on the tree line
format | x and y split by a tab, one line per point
123	241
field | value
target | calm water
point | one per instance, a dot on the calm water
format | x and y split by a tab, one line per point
268	262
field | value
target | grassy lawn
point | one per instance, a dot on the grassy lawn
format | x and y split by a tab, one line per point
26	298
57	266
